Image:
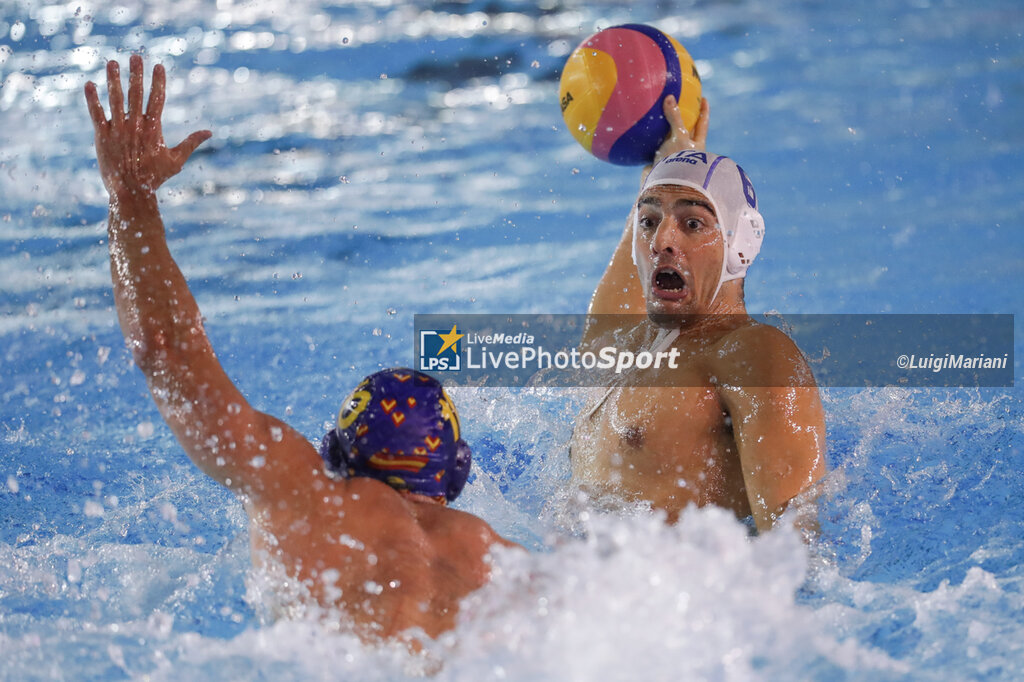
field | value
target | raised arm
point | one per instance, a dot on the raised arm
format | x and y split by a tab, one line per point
618	291
159	317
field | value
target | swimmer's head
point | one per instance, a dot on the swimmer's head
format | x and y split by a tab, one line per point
400	427
732	197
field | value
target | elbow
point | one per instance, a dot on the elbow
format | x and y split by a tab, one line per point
157	348
150	350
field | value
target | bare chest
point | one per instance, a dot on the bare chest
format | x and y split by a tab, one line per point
669	446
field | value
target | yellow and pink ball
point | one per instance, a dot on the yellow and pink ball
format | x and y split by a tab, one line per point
613	87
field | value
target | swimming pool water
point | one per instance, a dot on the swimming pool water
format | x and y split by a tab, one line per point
374	160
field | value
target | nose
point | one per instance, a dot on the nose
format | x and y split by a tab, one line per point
664	239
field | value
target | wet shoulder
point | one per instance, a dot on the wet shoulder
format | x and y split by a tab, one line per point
759	355
453	525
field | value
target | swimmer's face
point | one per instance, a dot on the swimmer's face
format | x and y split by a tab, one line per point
679	250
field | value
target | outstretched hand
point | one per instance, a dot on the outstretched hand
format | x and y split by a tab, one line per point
130	145
679	137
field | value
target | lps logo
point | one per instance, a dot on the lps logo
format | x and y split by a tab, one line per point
439	351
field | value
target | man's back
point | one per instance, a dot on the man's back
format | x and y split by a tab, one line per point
388	561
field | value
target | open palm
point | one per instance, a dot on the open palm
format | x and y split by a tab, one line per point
130	144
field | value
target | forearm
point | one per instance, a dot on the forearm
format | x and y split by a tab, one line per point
157	312
163	327
618	291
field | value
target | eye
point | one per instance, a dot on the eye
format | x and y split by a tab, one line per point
646	222
694	224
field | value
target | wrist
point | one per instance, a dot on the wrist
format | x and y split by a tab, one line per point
125	199
133	214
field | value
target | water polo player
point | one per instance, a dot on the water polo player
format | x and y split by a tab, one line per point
371	541
739	424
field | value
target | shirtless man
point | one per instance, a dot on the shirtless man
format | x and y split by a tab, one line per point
369	535
739	423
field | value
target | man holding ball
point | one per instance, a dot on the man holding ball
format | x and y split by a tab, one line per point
739	424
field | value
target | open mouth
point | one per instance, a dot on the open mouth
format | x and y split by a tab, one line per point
668	283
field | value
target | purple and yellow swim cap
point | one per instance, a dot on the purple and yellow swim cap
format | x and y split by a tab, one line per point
400	427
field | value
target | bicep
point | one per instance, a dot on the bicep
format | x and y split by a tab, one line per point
780	436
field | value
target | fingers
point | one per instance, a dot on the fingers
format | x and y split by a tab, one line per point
670	107
135	90
92	100
189	144
114	91
157	93
700	131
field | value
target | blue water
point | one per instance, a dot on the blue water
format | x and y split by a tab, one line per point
374	160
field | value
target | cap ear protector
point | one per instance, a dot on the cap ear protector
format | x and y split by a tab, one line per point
744	244
460	472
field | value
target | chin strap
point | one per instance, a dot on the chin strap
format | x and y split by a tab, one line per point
664	339
725	266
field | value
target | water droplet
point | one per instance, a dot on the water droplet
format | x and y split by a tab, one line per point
583	128
234	408
377	331
391	311
350	541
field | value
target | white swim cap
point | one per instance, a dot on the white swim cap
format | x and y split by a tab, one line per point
732	196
